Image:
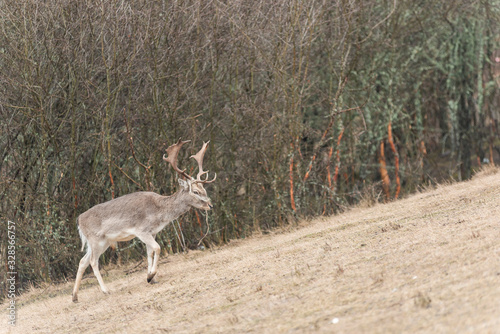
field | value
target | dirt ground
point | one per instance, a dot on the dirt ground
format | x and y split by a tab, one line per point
429	263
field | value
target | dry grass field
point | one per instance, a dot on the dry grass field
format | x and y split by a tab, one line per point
429	263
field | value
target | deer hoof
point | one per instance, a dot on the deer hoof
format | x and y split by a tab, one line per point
150	277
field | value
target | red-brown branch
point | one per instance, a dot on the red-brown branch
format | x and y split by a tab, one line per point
329	176
383	171
292	199
337	164
396	160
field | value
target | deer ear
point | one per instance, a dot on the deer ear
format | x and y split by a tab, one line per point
184	184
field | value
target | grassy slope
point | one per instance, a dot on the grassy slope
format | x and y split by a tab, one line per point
428	263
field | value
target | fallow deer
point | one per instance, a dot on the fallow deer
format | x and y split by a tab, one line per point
141	215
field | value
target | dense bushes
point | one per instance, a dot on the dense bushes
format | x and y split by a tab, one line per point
310	106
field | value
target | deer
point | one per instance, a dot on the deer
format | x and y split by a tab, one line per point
140	215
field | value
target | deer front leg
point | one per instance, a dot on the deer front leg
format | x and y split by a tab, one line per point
153	254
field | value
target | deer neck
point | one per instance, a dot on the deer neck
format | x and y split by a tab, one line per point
175	205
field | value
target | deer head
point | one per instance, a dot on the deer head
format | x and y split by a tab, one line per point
193	187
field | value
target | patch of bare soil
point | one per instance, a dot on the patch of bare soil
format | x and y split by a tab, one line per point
429	263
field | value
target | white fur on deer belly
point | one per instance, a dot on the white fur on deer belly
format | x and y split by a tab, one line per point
121	236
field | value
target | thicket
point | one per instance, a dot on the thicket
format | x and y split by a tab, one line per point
309	106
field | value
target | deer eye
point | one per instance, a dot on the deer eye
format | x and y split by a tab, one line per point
196	192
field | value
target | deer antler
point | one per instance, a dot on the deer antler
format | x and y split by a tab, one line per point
173	151
199	158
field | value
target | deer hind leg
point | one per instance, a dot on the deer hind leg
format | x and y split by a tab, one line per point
153	254
84	263
97	250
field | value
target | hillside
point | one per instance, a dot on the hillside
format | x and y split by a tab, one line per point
427	263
